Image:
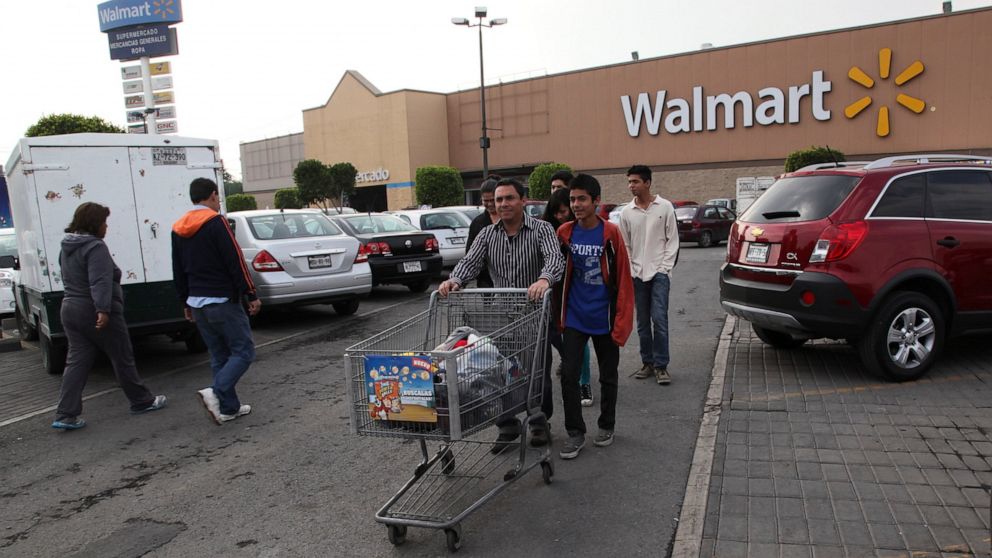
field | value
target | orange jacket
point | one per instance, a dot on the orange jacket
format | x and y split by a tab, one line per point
616	274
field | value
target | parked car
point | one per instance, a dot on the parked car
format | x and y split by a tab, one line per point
605	209
298	256
535	208
397	251
615	213
470	211
683	203
707	225
449	226
892	255
729	203
8	276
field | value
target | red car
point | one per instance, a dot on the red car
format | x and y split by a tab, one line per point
893	255
707	225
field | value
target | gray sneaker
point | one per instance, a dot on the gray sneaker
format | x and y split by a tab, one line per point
572	446
244	410
661	374
604	438
645	372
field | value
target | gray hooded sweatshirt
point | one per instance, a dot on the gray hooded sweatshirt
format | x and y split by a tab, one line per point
89	272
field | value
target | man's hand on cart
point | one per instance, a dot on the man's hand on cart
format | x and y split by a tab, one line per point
448	286
537	289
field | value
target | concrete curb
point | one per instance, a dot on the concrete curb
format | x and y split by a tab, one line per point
689	536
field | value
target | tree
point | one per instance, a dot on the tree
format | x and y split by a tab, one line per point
313	182
342	177
67	123
804	157
439	186
539	182
231	186
241	202
288	198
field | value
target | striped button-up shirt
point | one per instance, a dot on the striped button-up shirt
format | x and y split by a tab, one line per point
514	261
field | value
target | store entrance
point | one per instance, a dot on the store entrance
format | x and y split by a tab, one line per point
369	198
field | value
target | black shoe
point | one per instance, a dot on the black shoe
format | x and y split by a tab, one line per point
540	437
585	393
504	441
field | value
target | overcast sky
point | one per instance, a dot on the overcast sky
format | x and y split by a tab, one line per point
246	69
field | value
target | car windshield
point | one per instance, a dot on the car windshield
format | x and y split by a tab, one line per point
535	209
445	220
8	245
800	198
371	224
277	226
685	212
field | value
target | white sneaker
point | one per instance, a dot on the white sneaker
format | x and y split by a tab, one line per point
244	410
210	403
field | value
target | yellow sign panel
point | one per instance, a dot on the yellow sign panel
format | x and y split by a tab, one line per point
164	98
160	68
859	76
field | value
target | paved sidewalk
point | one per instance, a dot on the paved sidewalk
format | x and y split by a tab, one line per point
815	458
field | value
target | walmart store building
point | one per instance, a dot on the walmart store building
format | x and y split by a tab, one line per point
700	119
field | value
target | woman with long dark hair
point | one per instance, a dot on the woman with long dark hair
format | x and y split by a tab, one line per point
93	318
558	212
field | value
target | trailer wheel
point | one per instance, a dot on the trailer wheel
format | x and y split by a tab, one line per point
53	355
24	327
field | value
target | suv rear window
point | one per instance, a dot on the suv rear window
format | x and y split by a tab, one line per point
800	198
278	226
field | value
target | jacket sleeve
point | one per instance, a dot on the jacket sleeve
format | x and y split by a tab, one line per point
234	261
179	278
624	322
100	272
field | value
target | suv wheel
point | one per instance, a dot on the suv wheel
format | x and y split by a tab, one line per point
904	338
777	339
705	239
346	308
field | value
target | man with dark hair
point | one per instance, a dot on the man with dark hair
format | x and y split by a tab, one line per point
560	180
213	282
483	220
650	231
597	303
520	252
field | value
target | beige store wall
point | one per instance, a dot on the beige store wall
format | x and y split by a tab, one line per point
396	131
578	118
697	185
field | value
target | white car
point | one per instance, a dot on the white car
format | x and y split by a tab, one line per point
8	276
449	226
615	213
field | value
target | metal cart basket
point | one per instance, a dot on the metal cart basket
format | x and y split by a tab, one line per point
411	382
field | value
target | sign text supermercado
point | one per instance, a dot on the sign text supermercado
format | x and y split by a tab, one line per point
682	116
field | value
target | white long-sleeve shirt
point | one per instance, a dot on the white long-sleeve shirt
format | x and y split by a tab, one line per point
651	236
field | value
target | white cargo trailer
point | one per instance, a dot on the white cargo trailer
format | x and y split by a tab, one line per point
144	180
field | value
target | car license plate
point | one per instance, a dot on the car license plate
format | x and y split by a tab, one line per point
410	267
757	253
317	262
457	240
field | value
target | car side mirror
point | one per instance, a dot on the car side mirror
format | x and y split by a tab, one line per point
10	262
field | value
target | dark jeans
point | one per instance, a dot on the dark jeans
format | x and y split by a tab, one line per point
608	357
227	334
508	422
85	343
651	302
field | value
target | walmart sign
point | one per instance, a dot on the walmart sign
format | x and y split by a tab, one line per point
127	13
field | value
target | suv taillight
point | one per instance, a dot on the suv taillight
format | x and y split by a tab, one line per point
263	261
838	241
431	245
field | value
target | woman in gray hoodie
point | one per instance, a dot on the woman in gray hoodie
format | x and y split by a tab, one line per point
92	285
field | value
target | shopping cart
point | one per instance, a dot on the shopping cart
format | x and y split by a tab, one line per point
405	383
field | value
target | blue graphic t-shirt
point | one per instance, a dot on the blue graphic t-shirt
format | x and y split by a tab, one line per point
588	300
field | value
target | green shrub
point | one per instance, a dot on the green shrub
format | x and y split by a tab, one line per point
439	186
804	157
67	123
288	198
539	182
241	202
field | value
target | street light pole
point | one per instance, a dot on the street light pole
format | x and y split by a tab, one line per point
480	12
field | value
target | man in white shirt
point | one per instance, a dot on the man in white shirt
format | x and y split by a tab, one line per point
650	231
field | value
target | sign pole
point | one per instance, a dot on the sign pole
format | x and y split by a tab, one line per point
146	82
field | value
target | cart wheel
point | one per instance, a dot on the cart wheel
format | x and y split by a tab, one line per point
448	462
547	471
454	539
397	534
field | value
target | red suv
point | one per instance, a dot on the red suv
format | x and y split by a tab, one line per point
893	255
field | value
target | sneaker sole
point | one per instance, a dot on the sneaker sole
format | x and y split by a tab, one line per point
571	455
599	444
210	413
664	382
587	402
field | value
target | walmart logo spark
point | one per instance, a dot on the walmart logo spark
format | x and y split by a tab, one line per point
884	62
164	8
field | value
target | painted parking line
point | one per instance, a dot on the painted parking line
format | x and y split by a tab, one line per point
52	408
